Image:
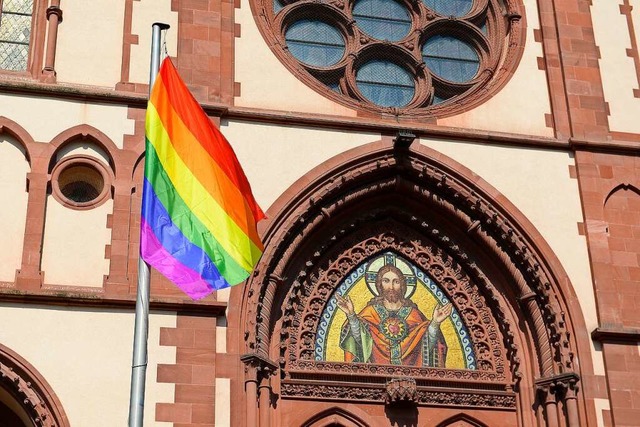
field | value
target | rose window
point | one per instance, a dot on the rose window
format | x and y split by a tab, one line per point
417	57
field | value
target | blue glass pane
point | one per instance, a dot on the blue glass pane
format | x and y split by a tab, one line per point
450	7
277	6
483	28
382	19
334	87
438	100
385	84
315	43
450	58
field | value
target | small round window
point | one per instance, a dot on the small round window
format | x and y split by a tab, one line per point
450	7
382	19
315	43
451	58
385	84
80	182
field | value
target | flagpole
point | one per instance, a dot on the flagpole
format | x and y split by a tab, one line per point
141	329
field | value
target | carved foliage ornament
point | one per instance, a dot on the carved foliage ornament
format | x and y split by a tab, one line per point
426	181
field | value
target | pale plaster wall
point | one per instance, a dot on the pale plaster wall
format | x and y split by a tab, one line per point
13	199
85	148
145	13
265	82
618	71
89	48
45	118
223	402
221	339
275	156
69	256
85	355
520	106
537	182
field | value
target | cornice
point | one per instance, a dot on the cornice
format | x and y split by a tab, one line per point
385	126
60	298
608	335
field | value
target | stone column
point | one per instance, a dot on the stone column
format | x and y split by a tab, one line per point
258	372
29	276
265	402
54	16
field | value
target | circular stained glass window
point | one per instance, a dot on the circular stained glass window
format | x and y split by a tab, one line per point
450	7
315	43
382	19
385	84
451	58
398	56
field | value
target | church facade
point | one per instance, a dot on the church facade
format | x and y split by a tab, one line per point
452	191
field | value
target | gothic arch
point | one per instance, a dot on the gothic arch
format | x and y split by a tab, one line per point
461	420
334	417
482	241
85	131
20	379
19	133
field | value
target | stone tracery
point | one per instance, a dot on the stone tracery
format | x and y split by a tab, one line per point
439	219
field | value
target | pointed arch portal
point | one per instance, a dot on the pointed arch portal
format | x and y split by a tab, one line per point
455	236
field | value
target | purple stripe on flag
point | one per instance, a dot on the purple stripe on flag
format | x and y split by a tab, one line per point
155	254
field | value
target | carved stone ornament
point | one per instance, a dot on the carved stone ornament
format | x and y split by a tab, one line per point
401	390
21	380
422	209
379	395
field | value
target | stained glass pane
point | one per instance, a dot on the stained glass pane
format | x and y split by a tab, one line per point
18	6
450	7
451	58
15	32
385	83
13	57
315	43
15	28
382	19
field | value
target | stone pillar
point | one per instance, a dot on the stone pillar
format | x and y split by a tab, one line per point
258	372
251	394
265	402
29	276
560	388
54	16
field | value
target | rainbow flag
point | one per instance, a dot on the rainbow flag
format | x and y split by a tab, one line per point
198	225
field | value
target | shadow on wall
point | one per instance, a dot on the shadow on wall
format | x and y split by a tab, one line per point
402	414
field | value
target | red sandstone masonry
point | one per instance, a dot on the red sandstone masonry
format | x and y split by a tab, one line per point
609	186
194	372
577	97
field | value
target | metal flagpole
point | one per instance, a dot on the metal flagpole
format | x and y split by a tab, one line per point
141	330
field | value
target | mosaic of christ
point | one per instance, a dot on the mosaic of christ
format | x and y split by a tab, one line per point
388	312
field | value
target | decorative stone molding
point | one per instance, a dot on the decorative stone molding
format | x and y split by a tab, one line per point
487	259
616	335
383	176
449	397
35	396
401	390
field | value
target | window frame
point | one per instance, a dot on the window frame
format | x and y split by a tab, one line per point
35	59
